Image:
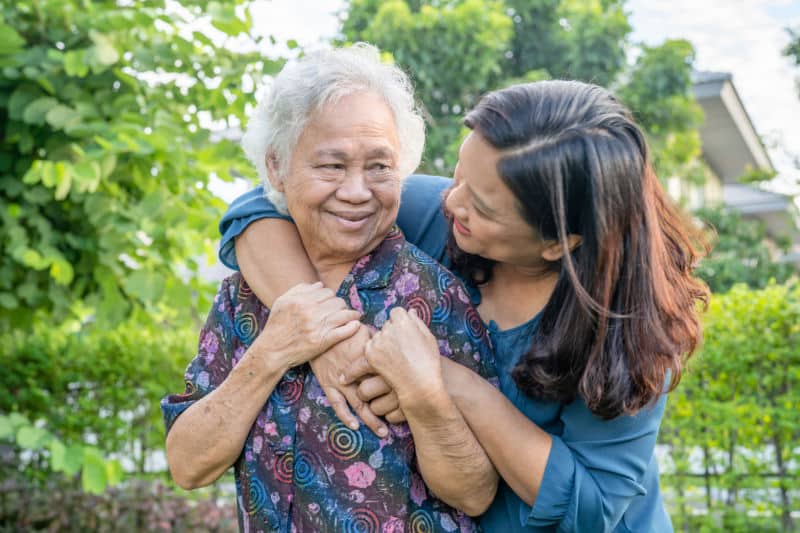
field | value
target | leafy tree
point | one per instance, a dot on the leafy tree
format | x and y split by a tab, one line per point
106	153
740	253
457	50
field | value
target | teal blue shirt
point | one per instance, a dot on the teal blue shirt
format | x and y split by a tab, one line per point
601	475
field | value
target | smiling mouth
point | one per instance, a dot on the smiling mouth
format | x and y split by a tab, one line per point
351	220
460	227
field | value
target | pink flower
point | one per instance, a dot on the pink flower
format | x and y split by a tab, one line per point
418	494
407	284
209	343
393	525
360	475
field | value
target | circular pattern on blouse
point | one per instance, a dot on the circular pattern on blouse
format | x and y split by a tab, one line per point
443	309
343	442
420	256
362	521
422	308
289	391
474	324
257	495
244	290
444	281
305	468
420	521
284	468
245	327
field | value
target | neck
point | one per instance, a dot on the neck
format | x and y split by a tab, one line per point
516	294
332	276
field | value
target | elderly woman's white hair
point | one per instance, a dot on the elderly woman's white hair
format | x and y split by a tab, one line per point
306	85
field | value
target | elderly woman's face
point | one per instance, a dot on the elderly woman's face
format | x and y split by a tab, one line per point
343	183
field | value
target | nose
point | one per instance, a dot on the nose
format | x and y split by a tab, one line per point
354	189
453	201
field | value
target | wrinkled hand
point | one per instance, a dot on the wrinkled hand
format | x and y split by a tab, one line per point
305	322
406	355
381	398
329	366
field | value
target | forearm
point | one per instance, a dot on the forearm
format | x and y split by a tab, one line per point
452	462
272	258
207	438
517	447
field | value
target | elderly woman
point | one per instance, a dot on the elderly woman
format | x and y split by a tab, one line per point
333	139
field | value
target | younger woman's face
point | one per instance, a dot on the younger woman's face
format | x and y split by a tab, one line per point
486	218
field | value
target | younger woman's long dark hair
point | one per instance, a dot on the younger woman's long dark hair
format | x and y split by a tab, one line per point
624	313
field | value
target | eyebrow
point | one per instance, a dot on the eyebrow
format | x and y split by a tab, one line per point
481	204
375	153
336	154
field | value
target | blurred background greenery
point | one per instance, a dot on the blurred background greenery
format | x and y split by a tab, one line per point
118	117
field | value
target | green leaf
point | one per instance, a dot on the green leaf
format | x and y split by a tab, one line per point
6	429
113	472
31	437
36	110
75	63
61	271
9	301
147	286
73	459
63	180
104	52
34	259
10	40
93	475
58	455
62	117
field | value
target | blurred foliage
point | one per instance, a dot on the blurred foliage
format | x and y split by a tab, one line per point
103	387
105	154
731	426
741	252
41	446
457	50
137	506
792	50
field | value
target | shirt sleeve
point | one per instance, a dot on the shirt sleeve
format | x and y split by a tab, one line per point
594	470
420	217
247	208
211	365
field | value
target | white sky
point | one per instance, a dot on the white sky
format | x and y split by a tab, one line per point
743	37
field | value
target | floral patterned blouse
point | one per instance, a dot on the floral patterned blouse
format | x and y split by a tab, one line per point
301	469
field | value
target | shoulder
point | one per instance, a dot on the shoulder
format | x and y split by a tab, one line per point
237	301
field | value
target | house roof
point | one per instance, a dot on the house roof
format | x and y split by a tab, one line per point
730	142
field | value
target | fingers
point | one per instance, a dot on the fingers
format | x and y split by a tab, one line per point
338	334
396	417
340	407
363	410
385	404
373	387
359	368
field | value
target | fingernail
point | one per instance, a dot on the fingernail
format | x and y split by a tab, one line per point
382	432
341	379
354	425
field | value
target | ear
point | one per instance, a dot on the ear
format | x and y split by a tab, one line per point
273	172
554	251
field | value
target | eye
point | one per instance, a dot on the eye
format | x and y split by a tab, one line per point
332	166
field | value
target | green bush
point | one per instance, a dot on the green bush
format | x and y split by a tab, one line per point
732	426
99	386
